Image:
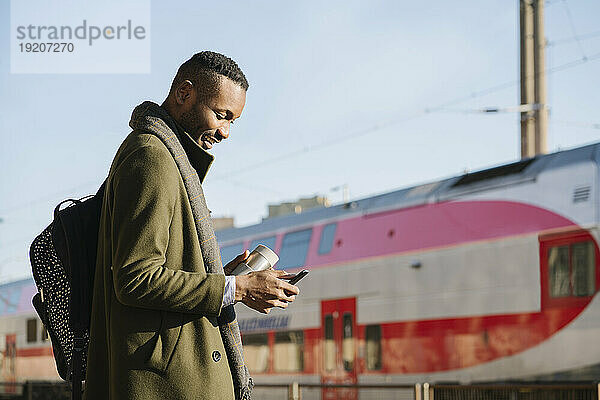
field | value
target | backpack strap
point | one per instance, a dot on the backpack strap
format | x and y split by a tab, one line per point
81	301
77	362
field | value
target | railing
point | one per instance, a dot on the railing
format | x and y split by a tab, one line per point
48	390
543	391
35	390
426	391
309	391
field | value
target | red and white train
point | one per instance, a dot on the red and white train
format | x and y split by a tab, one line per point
488	276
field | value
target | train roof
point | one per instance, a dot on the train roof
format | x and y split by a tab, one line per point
15	297
432	192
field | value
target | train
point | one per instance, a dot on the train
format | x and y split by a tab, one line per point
487	276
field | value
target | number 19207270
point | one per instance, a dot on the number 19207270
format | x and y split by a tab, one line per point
46	47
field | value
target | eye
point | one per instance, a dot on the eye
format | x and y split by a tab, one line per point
219	115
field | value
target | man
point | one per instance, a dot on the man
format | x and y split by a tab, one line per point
163	325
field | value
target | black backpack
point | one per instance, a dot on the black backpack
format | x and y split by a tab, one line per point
63	261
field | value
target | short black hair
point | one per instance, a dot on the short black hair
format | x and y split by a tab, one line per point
203	70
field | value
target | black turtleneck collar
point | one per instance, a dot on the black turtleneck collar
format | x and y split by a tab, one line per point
200	159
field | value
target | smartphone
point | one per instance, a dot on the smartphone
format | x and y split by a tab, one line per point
298	276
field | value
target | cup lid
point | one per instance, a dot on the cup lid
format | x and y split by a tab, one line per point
267	253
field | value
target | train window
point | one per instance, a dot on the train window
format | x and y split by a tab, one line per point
230	252
348	342
268	241
373	339
328	345
558	264
32	330
584	274
327	235
45	335
294	248
256	352
288	351
572	270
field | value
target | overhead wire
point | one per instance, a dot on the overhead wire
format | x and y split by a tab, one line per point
571	39
578	124
570	64
377	127
49	197
442	107
327	143
572	25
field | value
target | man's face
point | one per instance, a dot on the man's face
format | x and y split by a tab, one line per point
209	119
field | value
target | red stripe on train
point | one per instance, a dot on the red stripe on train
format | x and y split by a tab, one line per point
450	344
34	351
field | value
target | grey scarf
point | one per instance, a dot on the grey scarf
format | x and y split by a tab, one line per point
150	117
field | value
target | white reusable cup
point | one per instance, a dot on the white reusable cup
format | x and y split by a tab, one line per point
260	259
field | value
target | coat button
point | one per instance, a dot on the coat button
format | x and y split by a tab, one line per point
216	356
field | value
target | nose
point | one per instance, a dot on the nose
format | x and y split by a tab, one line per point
223	131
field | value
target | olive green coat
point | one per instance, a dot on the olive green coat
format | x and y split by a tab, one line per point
154	333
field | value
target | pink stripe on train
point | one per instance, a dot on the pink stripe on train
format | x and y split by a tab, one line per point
430	226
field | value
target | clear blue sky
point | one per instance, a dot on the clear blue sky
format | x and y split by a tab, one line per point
319	71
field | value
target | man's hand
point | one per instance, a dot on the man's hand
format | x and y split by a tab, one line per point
264	290
234	263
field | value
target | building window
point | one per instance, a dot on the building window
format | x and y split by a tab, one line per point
288	351
32	330
348	342
328	344
327	235
256	352
230	252
268	241
373	339
572	270
294	249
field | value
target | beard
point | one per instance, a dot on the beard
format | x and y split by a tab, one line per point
190	122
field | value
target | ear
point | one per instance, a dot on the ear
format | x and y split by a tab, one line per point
184	92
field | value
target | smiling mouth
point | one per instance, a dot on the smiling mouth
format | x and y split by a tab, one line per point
207	141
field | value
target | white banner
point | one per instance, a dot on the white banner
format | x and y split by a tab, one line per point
79	36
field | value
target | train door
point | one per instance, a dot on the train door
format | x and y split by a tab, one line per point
338	334
9	363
